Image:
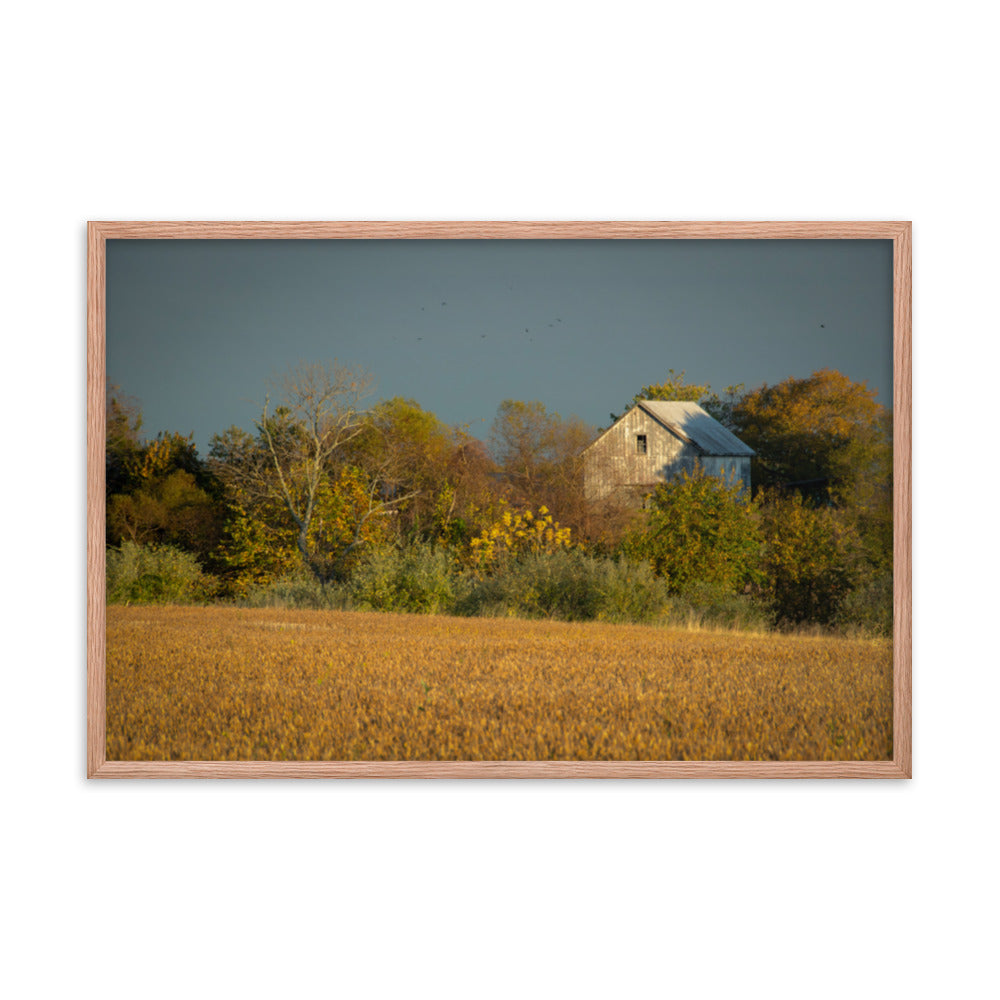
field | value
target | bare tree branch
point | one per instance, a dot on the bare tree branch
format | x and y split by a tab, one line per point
300	451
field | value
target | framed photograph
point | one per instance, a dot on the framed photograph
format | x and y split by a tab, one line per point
499	499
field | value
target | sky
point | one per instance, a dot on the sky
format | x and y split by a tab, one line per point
198	330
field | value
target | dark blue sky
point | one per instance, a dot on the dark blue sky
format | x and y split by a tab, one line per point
196	328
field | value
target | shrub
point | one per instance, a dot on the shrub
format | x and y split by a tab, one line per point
706	606
699	529
140	574
297	590
417	577
811	560
868	608
567	585
629	591
513	534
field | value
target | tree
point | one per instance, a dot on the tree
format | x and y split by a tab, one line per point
408	450
675	388
522	440
168	509
812	558
699	530
298	465
122	423
470	490
541	457
158	491
672	388
515	534
824	429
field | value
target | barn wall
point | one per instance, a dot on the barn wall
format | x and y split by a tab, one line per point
731	469
613	463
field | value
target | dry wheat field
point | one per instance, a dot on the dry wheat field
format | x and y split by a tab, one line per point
238	684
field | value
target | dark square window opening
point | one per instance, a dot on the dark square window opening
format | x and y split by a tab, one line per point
640	444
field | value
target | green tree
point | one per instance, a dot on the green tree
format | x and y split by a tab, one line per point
673	388
168	509
699	530
158	491
122	423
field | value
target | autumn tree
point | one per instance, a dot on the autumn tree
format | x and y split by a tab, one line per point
822	428
408	450
675	388
672	388
541	457
296	464
169	508
470	494
522	440
811	560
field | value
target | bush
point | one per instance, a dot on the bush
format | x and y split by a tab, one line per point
707	606
868	609
297	590
567	585
811	562
140	574
417	578
629	592
699	529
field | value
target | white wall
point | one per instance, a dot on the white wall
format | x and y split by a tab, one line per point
516	111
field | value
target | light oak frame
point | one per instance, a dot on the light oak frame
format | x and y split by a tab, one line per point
899	232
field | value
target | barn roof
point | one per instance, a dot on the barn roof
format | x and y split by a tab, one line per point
691	423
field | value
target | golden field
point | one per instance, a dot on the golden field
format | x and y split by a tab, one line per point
238	684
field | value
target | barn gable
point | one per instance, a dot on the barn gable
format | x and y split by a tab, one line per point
656	441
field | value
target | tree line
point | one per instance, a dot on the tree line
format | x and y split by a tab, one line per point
386	506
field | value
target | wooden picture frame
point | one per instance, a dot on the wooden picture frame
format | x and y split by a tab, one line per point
900	766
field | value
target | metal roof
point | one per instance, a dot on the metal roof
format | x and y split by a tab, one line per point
691	423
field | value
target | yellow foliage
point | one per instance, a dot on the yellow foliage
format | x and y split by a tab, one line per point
514	533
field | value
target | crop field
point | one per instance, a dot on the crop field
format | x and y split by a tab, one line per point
239	684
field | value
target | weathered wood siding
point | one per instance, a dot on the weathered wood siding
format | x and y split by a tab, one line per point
733	469
614	464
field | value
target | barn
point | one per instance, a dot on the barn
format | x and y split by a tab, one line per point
655	441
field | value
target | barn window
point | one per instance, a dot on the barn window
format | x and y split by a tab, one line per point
640	444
